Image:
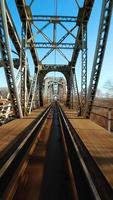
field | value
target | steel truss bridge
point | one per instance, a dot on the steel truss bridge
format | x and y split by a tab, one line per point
22	89
53	150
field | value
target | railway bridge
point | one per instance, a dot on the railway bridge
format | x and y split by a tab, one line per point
52	143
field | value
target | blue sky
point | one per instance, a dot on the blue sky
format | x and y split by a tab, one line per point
68	7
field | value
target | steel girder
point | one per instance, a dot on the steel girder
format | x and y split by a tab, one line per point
17	44
81	44
50	92
83	17
9	66
84	68
106	12
36	96
69	88
60	92
72	91
53	18
54	45
53	67
15	61
16	41
76	92
24	69
22	9
40	94
40	82
64	69
32	92
12	31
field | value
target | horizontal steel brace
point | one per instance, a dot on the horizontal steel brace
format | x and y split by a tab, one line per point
54	45
52	18
53	67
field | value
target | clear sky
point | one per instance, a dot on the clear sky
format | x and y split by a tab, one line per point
68	7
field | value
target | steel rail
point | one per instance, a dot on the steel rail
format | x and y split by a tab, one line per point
14	160
84	167
92	178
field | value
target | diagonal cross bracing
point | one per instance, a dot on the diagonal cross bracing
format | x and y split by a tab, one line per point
83	16
21	6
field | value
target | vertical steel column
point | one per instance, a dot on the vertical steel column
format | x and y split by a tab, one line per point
36	98
61	94
33	91
30	94
23	68
105	19
69	87
40	89
84	68
75	85
51	92
71	98
9	67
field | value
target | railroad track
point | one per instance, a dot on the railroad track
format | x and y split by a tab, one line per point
12	159
89	180
85	180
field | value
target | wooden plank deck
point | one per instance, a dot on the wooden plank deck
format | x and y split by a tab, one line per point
99	143
9	131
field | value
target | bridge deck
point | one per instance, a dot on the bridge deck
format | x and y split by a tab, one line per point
97	140
10	131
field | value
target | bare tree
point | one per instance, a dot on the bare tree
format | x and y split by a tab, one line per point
108	86
3	92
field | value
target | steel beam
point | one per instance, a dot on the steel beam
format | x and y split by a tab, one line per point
59	42
23	68
76	92
57	66
40	95
49	68
9	67
32	93
84	68
83	17
69	89
53	18
54	45
15	61
16	41
22	9
36	97
12	31
105	19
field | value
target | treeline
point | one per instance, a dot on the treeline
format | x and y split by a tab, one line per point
3	92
